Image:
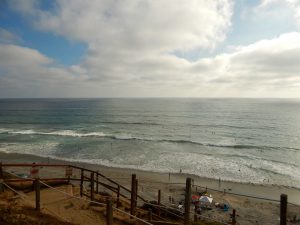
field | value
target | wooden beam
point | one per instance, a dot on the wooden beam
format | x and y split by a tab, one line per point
1	171
118	197
36	164
109	212
37	194
283	209
158	201
136	192
187	201
81	182
133	194
97	183
150	215
233	222
92	186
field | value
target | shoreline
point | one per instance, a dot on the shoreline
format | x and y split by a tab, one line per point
231	187
83	162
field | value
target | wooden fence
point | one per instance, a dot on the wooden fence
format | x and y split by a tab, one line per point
94	179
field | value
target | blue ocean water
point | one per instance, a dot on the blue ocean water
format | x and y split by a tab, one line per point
243	140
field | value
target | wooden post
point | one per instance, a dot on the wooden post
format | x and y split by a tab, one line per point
37	194
81	182
283	209
1	171
1	178
109	212
187	201
233	222
158	201
97	182
136	192
150	215
68	170
92	186
118	197
133	190
195	215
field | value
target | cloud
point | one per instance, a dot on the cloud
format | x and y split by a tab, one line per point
130	53
267	68
156	26
8	37
124	36
267	65
25	72
291	5
132	42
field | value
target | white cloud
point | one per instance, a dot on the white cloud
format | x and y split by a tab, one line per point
131	42
292	5
155	26
25	72
270	66
8	37
130	53
267	68
21	57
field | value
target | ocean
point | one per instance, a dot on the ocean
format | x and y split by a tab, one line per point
242	140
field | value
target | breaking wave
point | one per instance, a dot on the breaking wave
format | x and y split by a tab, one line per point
72	133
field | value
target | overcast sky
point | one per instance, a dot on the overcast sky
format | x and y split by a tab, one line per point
150	48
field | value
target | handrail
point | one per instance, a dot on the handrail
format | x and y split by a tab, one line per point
33	164
68	165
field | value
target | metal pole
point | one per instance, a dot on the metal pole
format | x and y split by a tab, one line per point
187	201
283	209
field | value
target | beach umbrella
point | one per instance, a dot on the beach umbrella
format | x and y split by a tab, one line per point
195	198
206	199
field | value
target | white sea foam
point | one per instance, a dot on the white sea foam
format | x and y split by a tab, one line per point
56	133
75	134
22	132
192	163
4	130
237	163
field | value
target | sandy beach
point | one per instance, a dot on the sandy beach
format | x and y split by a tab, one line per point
249	210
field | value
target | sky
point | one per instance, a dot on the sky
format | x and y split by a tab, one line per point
149	48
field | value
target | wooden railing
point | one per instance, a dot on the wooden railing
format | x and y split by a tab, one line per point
94	177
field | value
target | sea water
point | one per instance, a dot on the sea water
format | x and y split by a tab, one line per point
243	140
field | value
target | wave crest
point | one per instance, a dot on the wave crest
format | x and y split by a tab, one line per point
72	133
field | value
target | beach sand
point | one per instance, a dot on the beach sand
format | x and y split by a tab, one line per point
249	210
